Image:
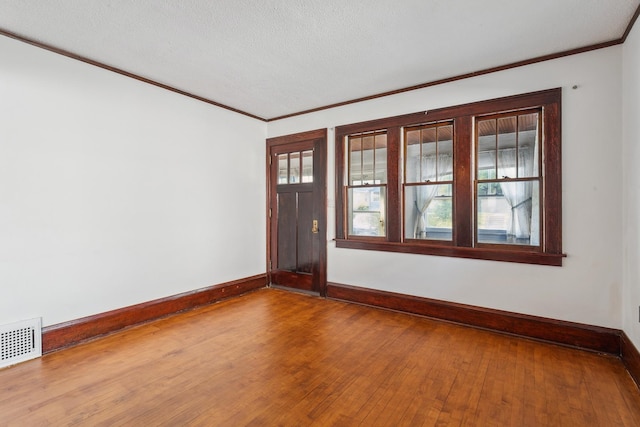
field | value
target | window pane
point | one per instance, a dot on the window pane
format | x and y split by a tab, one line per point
380	174
445	153
283	171
307	166
528	146
294	168
428	212
367	159
428	163
507	154
487	148
429	153
412	161
445	133
366	206
510	218
355	161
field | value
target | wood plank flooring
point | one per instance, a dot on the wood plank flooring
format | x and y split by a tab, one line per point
275	358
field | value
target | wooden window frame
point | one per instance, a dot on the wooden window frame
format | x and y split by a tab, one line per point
404	184
351	186
462	245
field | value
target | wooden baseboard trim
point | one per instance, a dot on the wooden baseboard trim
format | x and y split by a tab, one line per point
588	337
67	334
630	357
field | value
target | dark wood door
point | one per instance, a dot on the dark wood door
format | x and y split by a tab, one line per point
296	211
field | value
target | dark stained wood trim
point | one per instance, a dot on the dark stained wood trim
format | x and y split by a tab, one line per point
631	24
630	357
588	337
485	71
297	137
498	105
340	195
392	125
122	72
302	281
483	253
320	245
63	335
385	123
462	210
550	252
458	77
394	185
319	136
552	184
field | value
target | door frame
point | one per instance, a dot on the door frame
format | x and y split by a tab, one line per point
319	136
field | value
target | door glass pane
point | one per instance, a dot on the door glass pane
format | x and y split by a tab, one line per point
528	146
366	206
283	171
307	166
512	215
486	155
428	212
294	168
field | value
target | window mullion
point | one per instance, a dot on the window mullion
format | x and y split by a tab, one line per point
394	208
462	182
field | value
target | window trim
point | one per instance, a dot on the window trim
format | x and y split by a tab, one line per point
462	245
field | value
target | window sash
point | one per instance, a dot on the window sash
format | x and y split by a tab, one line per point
366	210
519	210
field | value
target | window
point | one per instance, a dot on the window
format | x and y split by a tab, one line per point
508	179
428	182
366	190
480	180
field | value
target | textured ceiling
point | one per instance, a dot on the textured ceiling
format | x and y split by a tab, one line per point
276	57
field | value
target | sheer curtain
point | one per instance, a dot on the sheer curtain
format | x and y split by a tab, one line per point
426	193
518	194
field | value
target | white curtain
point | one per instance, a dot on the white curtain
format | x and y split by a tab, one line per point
518	194
426	193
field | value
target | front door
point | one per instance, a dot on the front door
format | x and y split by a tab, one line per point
296	211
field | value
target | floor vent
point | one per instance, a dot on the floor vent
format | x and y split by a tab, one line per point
20	341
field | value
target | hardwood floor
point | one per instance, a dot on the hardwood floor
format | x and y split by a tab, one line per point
274	358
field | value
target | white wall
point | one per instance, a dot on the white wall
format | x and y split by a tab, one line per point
631	185
587	288
114	192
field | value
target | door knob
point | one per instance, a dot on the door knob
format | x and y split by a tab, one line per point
314	226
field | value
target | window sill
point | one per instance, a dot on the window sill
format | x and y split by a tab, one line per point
456	252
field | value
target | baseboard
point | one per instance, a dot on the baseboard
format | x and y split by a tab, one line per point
588	337
630	357
63	335
594	338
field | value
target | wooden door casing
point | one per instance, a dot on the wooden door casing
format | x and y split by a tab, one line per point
296	257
